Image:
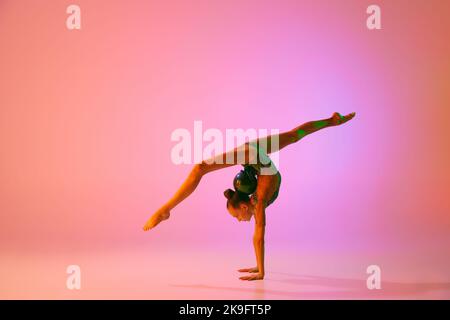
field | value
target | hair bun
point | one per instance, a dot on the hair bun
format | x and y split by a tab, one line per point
228	193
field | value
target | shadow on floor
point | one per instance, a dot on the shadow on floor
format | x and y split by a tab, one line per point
318	287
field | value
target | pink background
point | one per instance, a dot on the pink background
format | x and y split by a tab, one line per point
86	118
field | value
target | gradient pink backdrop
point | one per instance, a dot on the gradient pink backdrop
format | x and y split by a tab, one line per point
86	118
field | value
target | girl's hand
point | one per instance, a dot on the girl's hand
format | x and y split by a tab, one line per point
251	270
257	276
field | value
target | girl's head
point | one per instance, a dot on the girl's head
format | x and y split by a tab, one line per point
239	205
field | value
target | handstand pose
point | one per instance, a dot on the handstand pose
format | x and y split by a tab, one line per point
254	191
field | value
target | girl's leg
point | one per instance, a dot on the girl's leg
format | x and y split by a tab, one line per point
184	191
294	135
192	181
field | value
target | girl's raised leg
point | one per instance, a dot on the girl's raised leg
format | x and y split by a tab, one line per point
294	135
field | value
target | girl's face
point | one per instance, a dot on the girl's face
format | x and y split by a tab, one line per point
243	213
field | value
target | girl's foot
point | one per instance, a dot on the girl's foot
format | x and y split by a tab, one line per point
160	215
337	119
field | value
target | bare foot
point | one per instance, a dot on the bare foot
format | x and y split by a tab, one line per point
337	119
160	215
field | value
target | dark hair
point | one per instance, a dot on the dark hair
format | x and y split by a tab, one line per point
235	198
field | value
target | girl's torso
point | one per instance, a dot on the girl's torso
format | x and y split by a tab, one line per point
271	184
269	178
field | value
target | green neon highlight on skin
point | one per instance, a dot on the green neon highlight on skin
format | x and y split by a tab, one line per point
320	124
301	133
